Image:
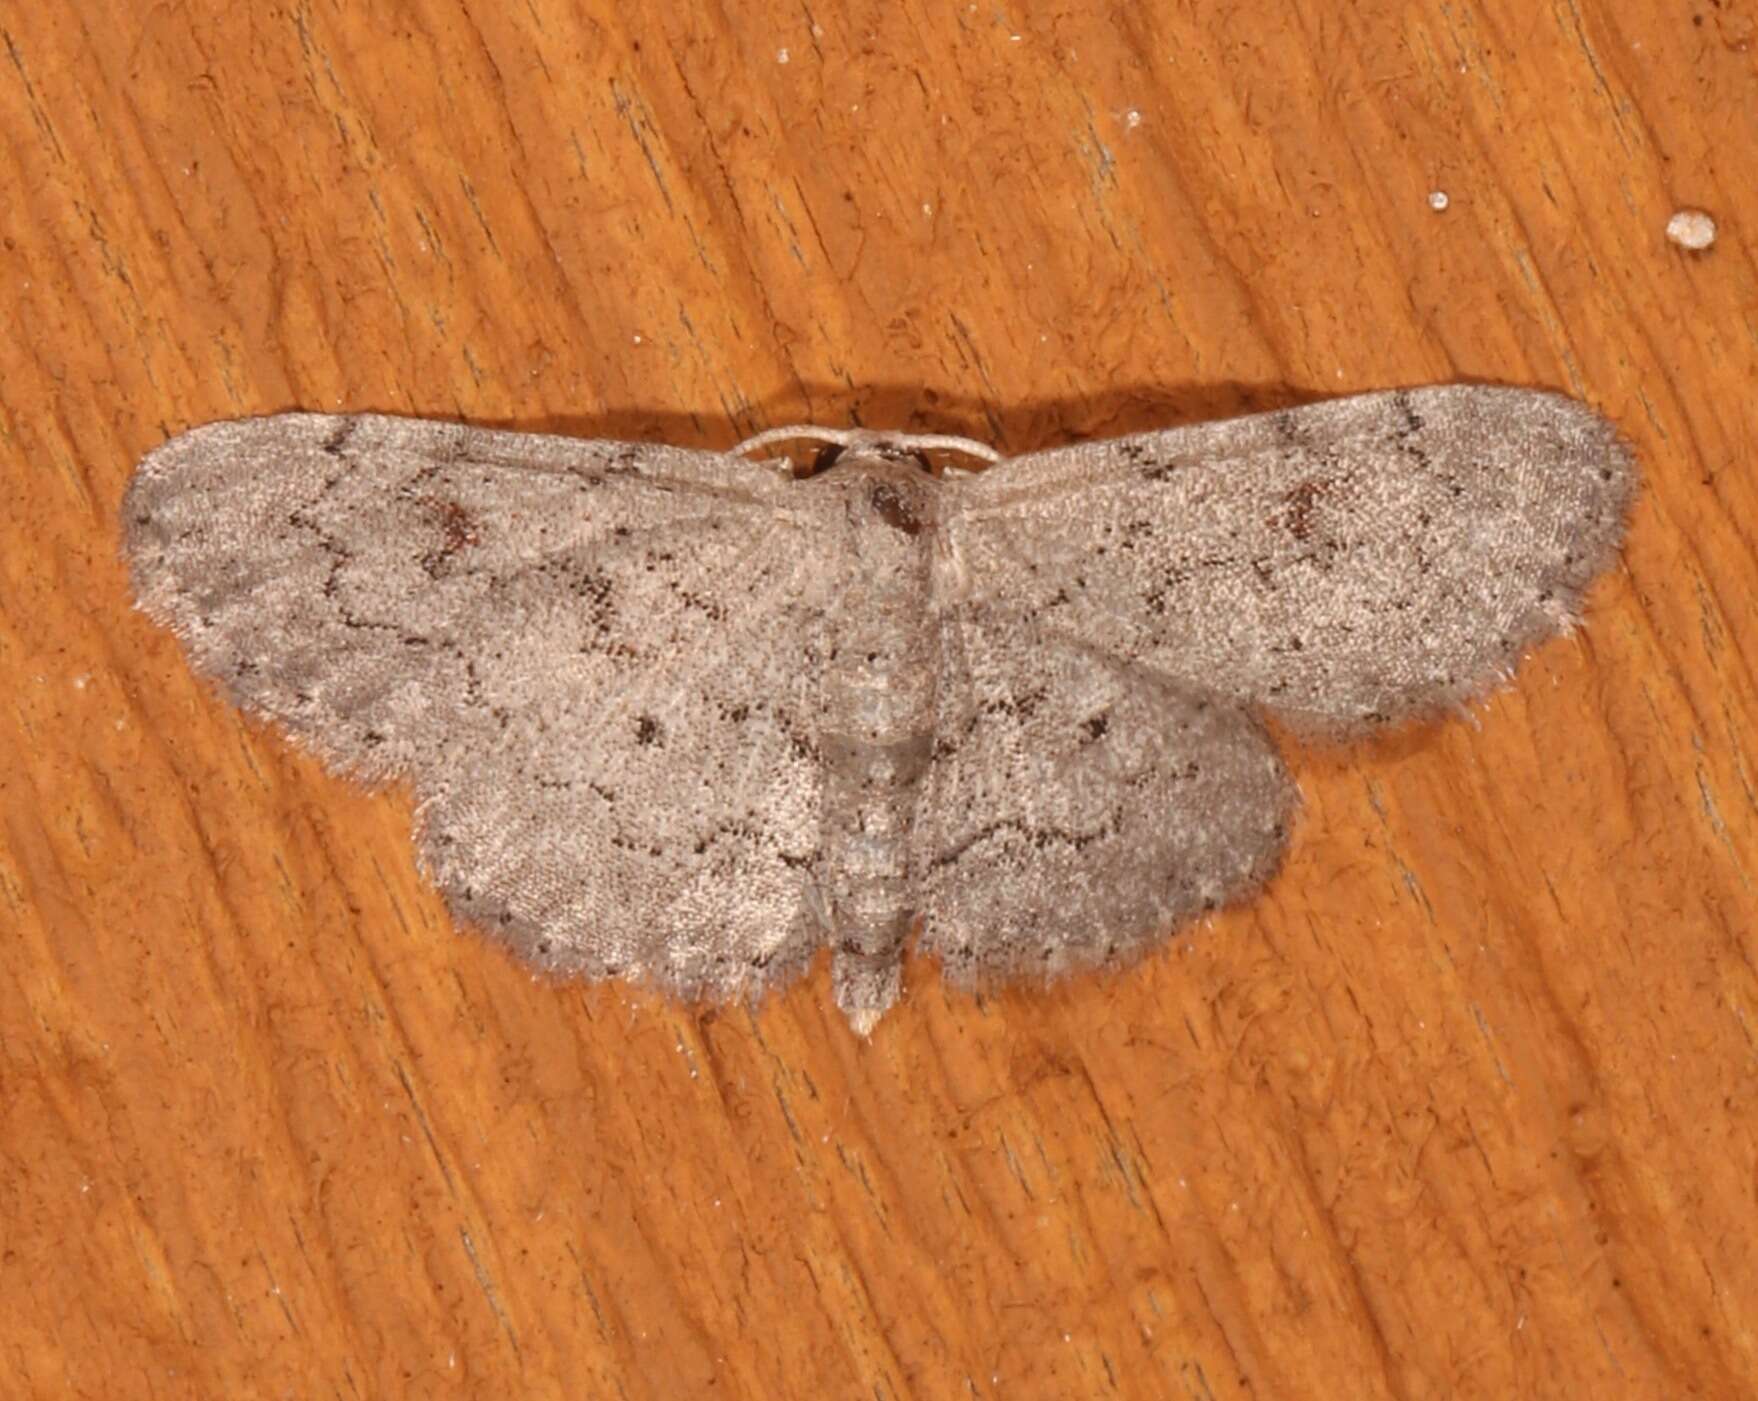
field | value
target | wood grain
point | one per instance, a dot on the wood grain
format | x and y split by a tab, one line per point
1463	1106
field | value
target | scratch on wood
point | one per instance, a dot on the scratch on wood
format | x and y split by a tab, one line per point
488	1292
1586	48
625	108
1488	1040
604	1328
38	115
426	1131
476	209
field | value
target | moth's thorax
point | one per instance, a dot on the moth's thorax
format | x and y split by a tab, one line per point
887	494
881	635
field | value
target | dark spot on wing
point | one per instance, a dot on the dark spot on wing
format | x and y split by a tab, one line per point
335	444
457	530
1302	502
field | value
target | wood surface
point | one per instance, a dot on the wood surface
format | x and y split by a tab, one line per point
1462	1106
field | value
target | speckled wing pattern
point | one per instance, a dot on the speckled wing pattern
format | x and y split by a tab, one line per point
521	624
1079	808
677	716
1343	564
1127	604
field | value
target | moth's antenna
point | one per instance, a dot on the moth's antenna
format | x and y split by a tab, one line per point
945	442
850	437
793	433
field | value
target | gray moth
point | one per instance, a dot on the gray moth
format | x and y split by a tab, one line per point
687	716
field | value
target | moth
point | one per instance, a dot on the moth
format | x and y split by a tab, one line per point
687	717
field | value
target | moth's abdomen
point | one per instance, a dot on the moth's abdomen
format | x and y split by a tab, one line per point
876	737
876	730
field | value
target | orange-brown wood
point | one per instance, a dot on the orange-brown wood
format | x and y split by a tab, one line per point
1462	1106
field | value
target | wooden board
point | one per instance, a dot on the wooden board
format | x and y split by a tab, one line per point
1462	1106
